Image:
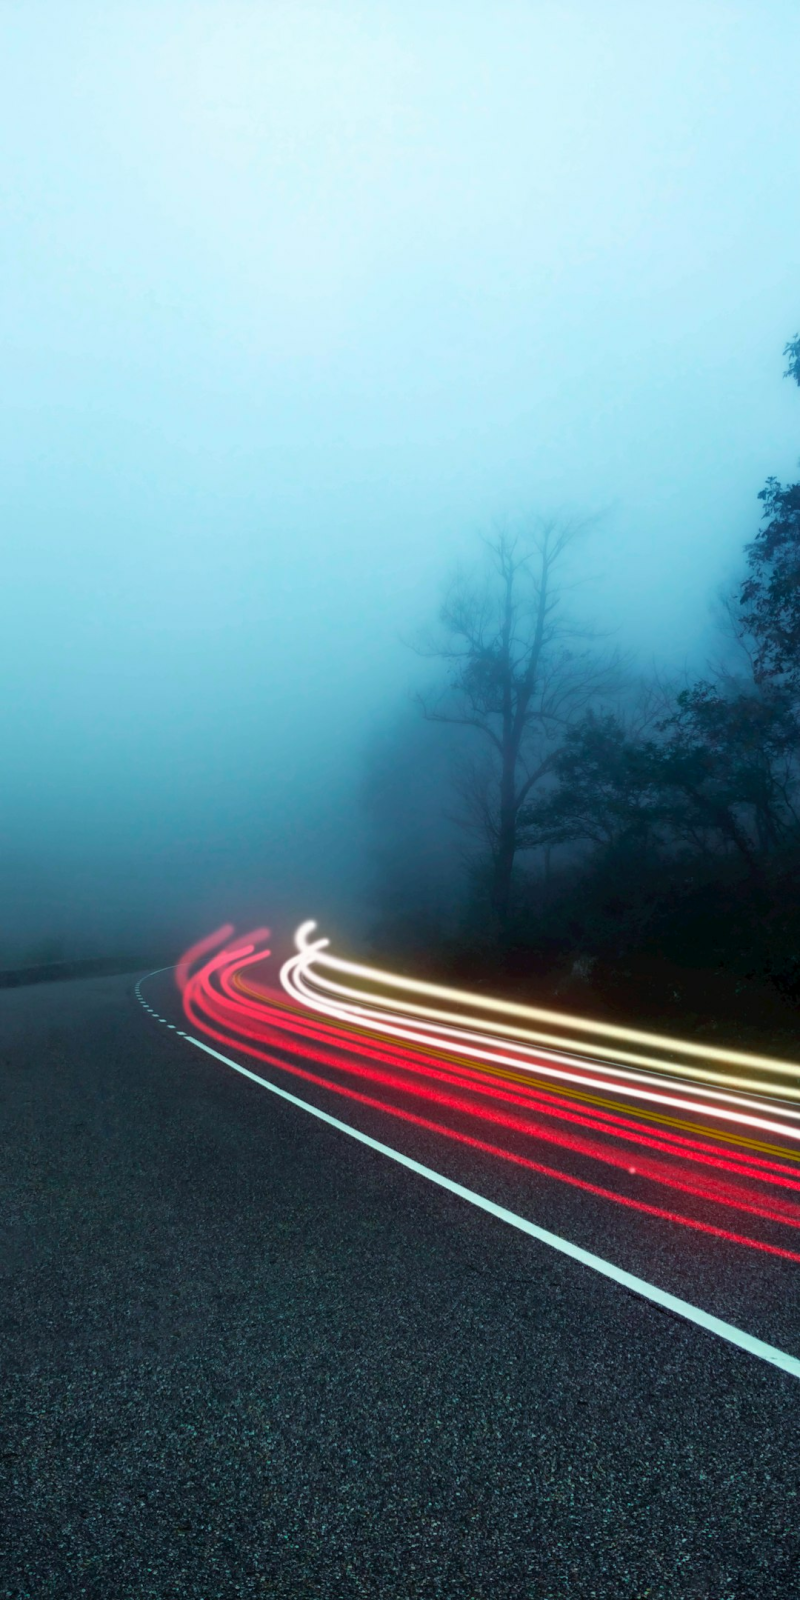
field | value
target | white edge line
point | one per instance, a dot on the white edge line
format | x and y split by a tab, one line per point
628	1280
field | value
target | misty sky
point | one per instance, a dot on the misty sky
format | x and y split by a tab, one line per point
295	300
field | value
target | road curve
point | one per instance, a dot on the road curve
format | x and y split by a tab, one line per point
246	1354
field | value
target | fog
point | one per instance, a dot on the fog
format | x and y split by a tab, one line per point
296	300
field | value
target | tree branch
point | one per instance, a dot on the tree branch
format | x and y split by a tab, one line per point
458	721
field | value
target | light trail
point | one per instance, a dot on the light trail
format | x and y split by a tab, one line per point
676	1305
297	975
407	1060
560	1087
314	950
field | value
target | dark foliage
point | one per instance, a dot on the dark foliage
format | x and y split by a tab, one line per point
663	866
770	597
718	779
792	350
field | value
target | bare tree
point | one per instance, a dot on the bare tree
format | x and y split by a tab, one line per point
516	675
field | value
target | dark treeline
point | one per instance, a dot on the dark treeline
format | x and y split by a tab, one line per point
548	821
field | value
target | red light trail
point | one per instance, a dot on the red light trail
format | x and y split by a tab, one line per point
479	1076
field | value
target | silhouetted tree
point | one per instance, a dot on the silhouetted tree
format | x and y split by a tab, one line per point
728	759
792	350
515	676
605	790
770	595
719	778
722	772
670	831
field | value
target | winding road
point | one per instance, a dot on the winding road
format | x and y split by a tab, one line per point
323	1281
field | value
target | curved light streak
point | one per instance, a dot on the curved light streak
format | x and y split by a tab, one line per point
314	948
296	977
443	1061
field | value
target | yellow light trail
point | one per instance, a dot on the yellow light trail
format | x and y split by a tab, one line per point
435	1028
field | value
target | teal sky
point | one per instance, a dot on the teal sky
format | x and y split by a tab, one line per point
295	300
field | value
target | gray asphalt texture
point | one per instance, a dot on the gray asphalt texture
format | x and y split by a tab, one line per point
244	1355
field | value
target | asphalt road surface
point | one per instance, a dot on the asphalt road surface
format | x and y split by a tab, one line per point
246	1355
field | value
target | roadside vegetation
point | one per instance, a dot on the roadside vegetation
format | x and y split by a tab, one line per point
548	820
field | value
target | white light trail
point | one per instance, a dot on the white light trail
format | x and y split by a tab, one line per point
727	1331
305	984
